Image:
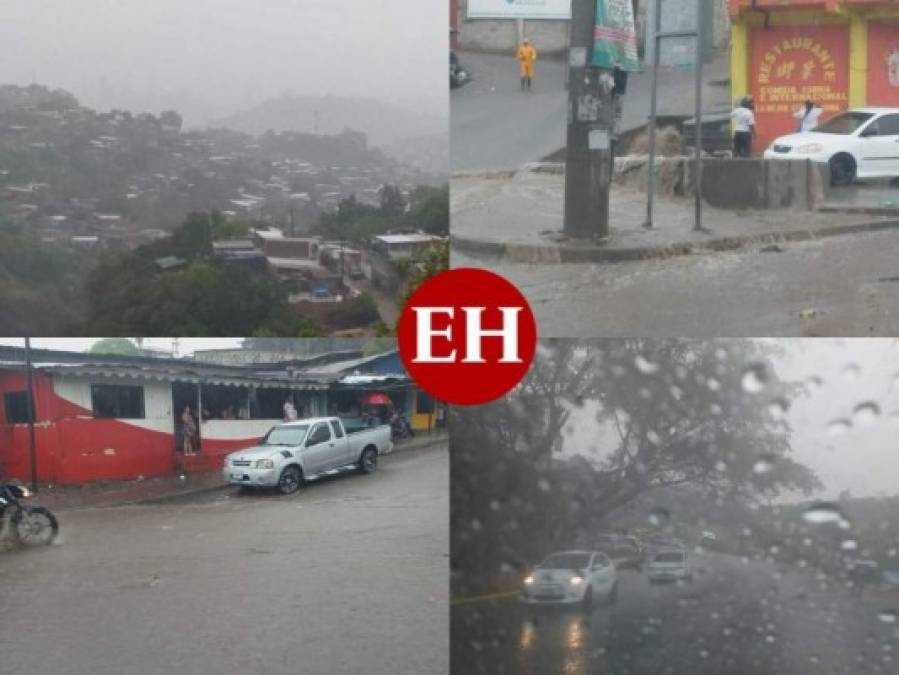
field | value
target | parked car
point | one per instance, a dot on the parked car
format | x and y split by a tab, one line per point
295	452
572	578
857	144
670	565
625	551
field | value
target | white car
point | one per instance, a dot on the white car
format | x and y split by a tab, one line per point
670	565
860	143
570	578
295	452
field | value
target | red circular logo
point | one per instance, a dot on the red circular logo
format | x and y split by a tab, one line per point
467	336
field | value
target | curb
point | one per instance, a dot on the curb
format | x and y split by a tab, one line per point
590	252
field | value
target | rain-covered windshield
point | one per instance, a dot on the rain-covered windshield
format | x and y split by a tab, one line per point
845	123
760	477
286	435
566	561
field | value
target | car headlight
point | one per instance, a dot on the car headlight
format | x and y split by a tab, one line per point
576	580
528	580
265	464
809	148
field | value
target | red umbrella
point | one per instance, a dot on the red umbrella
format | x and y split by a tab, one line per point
377	398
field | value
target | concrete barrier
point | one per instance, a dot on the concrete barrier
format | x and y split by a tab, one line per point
799	185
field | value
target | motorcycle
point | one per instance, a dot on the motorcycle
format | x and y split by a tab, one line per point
458	74
33	525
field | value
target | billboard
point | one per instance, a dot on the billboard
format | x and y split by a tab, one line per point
792	64
614	36
519	9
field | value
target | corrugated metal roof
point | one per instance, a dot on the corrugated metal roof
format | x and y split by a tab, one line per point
197	376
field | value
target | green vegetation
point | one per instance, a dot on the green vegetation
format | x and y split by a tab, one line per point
667	415
119	346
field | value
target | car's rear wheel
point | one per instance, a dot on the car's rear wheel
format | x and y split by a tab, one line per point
842	169
290	480
368	462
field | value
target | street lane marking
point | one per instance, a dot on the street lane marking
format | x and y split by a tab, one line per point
483	598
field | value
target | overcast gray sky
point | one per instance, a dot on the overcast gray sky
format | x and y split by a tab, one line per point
864	458
210	58
185	345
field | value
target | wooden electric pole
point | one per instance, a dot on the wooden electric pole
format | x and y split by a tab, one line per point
588	156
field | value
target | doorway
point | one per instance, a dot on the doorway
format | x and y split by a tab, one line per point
185	394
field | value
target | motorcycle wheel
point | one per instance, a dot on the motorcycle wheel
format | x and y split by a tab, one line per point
36	526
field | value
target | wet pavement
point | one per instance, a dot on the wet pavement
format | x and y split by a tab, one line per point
350	575
736	617
496	125
840	286
524	212
876	195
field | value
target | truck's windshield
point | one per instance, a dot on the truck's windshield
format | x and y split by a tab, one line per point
287	435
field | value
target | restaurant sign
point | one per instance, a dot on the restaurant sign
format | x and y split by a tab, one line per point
792	65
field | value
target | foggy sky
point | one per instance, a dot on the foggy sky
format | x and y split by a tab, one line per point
185	345
863	460
211	58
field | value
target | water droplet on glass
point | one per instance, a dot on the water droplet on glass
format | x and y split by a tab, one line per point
851	370
754	378
839	427
543	484
849	545
181	476
778	408
476	525
823	512
645	366
713	384
865	413
764	464
659	516
888	616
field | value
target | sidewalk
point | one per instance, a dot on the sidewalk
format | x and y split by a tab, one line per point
120	493
518	216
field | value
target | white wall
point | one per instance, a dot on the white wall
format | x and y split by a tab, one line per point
157	399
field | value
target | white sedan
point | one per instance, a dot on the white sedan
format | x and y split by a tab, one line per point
570	578
860	143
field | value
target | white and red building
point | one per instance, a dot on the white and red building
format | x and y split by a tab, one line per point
104	417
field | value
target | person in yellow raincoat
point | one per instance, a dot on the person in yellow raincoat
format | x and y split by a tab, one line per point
526	56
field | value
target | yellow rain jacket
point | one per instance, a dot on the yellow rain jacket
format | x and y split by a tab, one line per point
526	56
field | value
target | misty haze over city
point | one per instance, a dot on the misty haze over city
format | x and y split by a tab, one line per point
211	58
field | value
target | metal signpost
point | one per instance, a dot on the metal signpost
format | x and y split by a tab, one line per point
29	403
658	36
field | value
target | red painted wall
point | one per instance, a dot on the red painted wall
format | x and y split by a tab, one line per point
883	64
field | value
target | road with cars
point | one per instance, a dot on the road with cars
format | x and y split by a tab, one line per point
348	575
737	616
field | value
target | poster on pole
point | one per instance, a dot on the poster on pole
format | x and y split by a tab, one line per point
519	9
615	36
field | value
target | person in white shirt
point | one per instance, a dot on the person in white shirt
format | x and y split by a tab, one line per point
744	127
808	116
290	411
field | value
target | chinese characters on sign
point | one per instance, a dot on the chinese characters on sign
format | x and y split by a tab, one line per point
793	65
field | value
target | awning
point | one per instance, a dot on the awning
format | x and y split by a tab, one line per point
377	398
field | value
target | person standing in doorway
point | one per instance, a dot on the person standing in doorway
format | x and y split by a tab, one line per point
290	411
189	431
527	57
808	116
744	127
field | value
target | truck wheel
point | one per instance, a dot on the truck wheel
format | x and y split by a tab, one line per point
290	480
368	462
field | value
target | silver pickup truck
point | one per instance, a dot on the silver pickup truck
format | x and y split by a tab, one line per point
295	452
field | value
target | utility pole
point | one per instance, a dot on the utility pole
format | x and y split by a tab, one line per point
588	154
29	395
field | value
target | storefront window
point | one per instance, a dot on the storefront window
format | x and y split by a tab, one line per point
222	402
118	401
16	406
